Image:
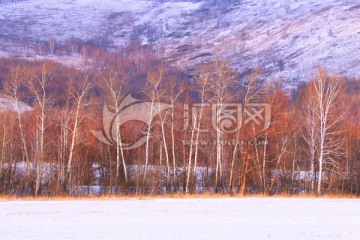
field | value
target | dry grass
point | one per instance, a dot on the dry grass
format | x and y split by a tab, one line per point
207	195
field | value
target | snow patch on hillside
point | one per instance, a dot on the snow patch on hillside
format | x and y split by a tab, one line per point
7	104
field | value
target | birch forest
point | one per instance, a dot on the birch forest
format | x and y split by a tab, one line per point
305	141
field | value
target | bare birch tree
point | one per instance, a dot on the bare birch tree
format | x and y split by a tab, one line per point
38	84
155	79
114	89
324	117
221	83
13	91
77	103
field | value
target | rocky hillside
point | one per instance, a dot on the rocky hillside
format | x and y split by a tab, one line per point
286	38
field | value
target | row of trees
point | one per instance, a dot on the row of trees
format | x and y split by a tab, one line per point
216	131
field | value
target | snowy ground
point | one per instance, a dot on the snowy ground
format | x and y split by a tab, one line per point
249	218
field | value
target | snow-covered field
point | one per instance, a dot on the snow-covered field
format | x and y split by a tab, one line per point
248	218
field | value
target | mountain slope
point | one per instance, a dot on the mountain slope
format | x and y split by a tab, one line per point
286	38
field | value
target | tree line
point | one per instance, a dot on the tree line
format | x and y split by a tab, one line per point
215	130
